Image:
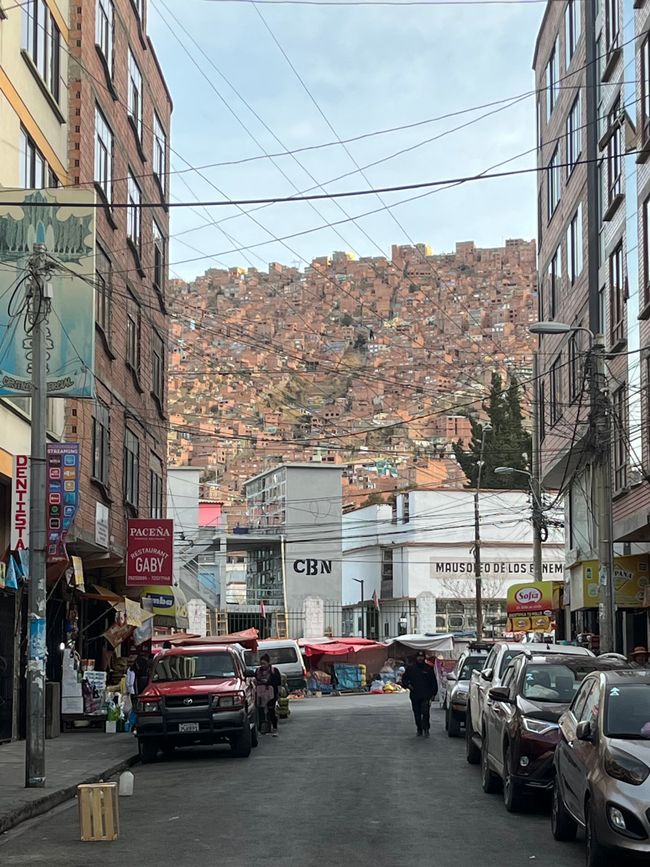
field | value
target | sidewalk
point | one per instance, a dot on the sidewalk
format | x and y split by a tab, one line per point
78	757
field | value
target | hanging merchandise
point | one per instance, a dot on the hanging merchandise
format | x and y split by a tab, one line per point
3	573
71	624
10	579
119	631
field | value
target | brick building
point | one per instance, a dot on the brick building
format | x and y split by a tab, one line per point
593	144
119	145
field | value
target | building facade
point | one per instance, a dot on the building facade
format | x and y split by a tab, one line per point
592	72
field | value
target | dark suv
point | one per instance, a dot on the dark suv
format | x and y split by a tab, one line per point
520	720
197	695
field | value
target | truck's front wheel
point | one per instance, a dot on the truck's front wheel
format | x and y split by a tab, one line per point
148	750
242	744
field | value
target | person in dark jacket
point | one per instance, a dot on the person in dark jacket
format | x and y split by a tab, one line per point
268	681
420	679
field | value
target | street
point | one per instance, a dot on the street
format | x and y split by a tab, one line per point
347	782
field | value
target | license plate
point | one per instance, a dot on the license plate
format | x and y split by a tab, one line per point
188	727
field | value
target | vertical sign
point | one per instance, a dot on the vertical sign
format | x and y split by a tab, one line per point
63	479
20	504
150	552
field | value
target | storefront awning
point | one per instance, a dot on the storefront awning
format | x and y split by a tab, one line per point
168	605
135	614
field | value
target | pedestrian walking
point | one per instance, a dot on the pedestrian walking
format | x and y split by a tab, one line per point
268	681
420	679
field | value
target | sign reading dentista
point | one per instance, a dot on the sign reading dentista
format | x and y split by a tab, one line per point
150	552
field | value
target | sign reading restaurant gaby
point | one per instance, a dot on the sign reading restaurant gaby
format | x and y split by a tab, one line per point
150	551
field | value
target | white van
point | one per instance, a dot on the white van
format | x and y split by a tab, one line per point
285	656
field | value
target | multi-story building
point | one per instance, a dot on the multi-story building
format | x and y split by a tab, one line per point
592	70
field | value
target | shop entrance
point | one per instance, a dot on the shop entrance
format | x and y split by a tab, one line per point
7	608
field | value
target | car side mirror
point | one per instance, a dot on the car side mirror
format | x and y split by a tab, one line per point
585	731
249	672
487	673
451	677
500	693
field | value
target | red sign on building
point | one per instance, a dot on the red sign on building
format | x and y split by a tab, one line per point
150	552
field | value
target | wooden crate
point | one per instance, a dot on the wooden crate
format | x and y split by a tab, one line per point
99	816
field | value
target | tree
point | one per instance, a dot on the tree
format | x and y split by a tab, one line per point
508	444
376	498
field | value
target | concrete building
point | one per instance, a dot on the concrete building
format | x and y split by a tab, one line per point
417	558
592	72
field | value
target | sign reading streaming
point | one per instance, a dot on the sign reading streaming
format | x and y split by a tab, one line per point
63	479
150	552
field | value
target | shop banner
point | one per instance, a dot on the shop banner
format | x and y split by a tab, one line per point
63	220
167	602
533	598
150	552
631	576
63	481
20	504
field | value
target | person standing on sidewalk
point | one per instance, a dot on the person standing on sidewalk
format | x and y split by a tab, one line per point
268	681
420	679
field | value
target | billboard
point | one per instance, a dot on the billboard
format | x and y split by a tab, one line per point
63	479
631	575
64	221
535	597
150	552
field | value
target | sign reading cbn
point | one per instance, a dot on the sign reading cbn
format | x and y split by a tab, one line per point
313	567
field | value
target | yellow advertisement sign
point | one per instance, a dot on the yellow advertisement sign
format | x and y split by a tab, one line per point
631	577
536	597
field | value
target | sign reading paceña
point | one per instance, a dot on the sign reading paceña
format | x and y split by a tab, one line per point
150	552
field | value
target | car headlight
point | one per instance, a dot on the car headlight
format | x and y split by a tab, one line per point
148	705
625	767
538	726
222	701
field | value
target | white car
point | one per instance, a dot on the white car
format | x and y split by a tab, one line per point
285	656
499	658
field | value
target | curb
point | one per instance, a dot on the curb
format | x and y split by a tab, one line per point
53	799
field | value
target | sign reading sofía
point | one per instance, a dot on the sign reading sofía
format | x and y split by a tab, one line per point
533	598
150	552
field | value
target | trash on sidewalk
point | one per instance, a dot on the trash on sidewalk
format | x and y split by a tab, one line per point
126	784
99	817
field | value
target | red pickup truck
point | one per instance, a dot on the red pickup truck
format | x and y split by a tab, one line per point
197	695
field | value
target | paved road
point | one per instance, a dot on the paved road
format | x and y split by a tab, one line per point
347	782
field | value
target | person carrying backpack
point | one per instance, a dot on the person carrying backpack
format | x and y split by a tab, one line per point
267	680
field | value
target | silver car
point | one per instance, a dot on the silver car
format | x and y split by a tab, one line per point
602	765
458	689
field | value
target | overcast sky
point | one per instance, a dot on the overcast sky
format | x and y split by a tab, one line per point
367	69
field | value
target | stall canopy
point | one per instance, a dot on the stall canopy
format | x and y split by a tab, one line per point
338	646
440	643
247	638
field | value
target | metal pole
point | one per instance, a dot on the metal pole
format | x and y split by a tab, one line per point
477	564
535	466
601	421
363	611
38	310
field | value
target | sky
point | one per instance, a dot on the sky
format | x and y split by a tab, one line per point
369	68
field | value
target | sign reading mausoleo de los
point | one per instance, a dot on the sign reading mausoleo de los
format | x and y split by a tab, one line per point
150	551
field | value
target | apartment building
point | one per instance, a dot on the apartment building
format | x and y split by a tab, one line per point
592	72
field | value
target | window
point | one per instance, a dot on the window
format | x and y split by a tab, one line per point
131	468
556	390
571	28
35	173
135	94
104	30
619	437
133	336
645	90
103	287
554	281
42	42
159	152
133	216
542	411
645	241
574	246
614	153
158	367
155	487
139	8
617	296
573	136
612	28
387	566
159	259
101	442
552	78
575	368
602	310
406	509
103	153
553	183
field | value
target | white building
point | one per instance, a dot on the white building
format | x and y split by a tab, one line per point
421	550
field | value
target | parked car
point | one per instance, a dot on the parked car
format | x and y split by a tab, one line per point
197	695
472	659
498	660
520	720
285	656
602	768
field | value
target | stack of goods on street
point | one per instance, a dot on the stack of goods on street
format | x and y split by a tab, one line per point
283	699
349	677
388	679
320	683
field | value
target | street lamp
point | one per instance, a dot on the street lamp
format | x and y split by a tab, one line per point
363	616
537	515
487	428
600	423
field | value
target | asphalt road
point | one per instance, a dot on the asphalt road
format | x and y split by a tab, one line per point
346	783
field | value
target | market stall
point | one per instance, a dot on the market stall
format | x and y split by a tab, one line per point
341	664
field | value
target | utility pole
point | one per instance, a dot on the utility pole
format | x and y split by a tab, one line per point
477	537
602	430
535	477
38	310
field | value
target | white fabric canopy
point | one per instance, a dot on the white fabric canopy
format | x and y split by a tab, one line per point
425	642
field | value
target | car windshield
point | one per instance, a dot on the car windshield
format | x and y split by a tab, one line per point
198	666
508	656
472	663
277	655
627	713
553	682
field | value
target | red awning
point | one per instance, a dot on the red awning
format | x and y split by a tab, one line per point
341	647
